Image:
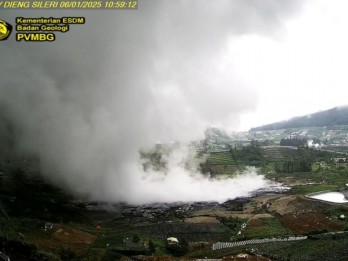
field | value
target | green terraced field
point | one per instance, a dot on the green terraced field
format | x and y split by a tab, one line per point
220	158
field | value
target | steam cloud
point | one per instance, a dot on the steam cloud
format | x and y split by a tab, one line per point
125	80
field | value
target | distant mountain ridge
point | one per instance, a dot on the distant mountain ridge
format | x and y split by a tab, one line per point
331	117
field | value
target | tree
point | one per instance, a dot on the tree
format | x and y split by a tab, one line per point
178	250
152	247
135	238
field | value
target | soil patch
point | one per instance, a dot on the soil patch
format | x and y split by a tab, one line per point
303	223
202	219
66	237
292	204
255	223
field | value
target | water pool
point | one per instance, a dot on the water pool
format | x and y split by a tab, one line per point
335	197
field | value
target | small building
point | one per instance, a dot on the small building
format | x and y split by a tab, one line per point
172	241
340	160
48	226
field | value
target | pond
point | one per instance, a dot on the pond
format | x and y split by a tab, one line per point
335	197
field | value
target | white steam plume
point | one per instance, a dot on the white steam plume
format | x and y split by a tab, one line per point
88	102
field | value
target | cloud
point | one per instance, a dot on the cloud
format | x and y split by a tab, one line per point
88	102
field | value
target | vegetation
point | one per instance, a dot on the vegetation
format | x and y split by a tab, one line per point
294	165
178	249
332	117
268	228
325	249
297	142
156	158
27	203
249	155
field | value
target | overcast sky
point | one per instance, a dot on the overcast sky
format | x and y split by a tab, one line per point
236	64
301	70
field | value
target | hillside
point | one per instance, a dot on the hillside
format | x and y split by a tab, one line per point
332	117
